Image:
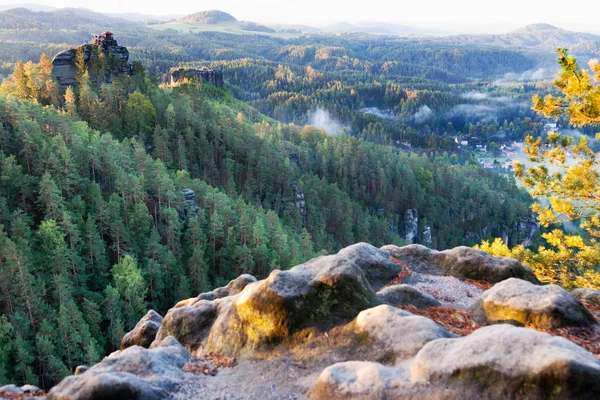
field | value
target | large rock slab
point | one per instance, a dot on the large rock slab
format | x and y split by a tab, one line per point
462	262
495	362
401	333
522	303
134	373
403	295
318	294
190	322
588	295
506	362
144	332
378	268
321	293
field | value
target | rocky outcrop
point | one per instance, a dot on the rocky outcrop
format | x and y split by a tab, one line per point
318	294
503	361
427	237
401	333
588	295
115	61
234	287
320	330
144	332
206	75
404	295
134	373
411	225
522	303
462	262
190	208
496	362
359	380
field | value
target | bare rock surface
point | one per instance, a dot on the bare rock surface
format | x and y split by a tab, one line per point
400	295
144	332
359	380
461	262
523	303
378	268
496	362
588	295
133	373
503	361
233	287
399	332
320	331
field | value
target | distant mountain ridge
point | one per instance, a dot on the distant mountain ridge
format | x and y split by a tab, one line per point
537	37
211	17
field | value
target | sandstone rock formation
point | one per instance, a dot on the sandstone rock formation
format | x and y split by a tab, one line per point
403	295
134	373
411	225
115	61
401	333
212	76
232	288
144	332
320	330
522	303
588	295
462	262
496	362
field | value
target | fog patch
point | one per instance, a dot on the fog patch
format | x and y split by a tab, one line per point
322	119
530	75
473	111
481	96
377	112
475	96
423	115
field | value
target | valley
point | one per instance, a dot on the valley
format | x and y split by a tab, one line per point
202	189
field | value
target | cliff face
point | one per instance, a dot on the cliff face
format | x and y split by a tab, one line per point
212	76
103	57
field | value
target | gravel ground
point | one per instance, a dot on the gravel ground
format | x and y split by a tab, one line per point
278	379
450	291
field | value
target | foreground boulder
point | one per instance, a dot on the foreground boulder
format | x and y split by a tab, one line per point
359	380
404	295
522	303
144	332
321	293
462	262
495	362
588	295
134	373
378	268
503	361
401	333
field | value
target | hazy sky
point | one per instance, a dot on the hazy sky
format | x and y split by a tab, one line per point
411	12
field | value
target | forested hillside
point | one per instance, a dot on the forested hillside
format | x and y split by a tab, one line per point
96	225
389	90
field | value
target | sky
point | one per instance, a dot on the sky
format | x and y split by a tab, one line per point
468	15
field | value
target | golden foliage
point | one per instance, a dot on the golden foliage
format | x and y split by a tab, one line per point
572	192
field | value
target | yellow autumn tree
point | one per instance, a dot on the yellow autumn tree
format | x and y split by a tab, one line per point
565	181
